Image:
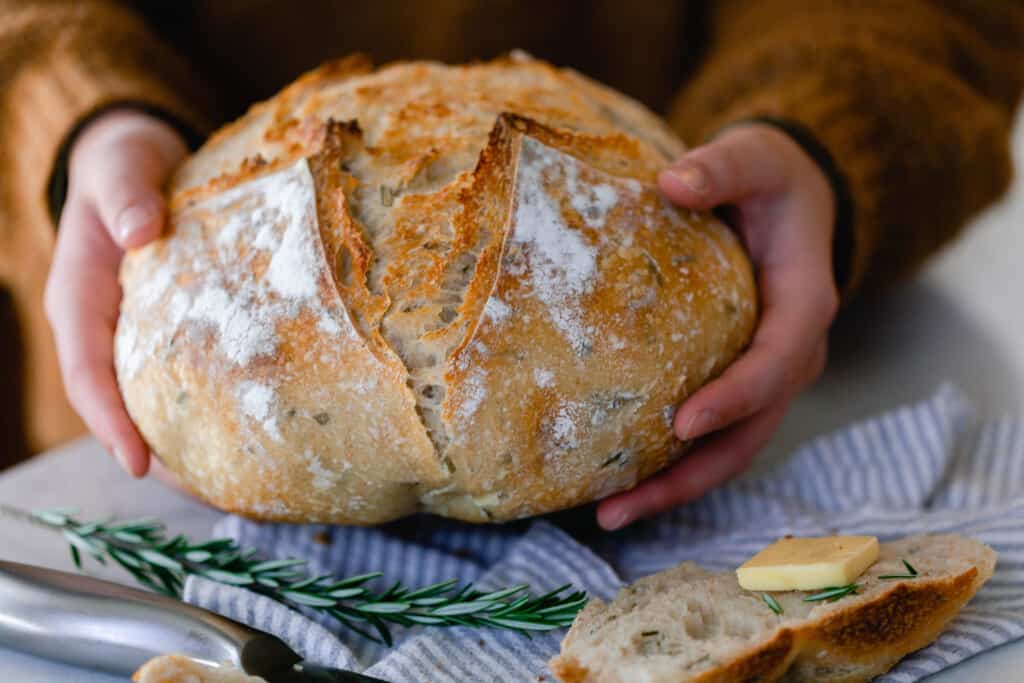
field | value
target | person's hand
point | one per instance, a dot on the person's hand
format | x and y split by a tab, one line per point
782	206
116	170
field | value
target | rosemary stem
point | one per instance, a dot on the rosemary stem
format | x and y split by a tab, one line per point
20	515
163	563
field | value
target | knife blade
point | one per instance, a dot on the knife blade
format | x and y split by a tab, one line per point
102	625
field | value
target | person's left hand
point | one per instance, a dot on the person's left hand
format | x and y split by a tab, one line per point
781	204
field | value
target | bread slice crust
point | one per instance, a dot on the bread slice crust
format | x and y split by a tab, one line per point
849	641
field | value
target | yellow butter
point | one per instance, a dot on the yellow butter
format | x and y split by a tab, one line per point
808	564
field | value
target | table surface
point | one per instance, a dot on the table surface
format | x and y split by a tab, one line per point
960	320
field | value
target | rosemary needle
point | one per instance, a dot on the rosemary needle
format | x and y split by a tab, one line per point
832	593
772	603
143	549
911	573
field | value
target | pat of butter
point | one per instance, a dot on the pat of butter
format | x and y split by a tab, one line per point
807	564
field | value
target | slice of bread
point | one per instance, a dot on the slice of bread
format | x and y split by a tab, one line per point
181	669
689	625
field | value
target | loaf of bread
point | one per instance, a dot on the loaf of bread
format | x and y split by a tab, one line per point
687	625
426	288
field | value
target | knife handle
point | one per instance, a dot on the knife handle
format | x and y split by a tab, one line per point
102	625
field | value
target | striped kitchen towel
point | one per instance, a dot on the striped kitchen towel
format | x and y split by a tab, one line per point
930	467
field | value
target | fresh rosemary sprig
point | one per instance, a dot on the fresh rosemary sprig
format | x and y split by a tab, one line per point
772	603
833	593
911	573
142	548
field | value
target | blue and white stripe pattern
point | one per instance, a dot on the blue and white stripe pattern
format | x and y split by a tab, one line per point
929	467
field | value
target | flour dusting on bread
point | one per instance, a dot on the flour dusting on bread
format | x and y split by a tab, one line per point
444	288
560	261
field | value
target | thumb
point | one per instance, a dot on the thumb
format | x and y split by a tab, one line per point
132	211
743	162
124	171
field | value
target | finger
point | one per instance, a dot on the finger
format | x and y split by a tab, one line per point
125	189
741	163
714	462
799	302
781	355
81	301
122	169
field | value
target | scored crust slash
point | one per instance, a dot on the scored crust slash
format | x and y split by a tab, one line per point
427	288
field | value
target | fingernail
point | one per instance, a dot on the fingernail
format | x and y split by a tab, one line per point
616	521
700	424
132	219
690	175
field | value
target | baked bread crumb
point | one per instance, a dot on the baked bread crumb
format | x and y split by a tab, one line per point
688	625
180	669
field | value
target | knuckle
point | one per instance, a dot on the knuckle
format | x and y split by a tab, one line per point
751	396
759	384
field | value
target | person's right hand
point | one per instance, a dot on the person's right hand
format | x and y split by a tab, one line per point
117	167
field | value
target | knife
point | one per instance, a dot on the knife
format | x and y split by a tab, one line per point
102	625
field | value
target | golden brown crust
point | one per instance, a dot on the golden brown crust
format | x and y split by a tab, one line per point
766	662
568	669
871	639
851	641
628	436
373	274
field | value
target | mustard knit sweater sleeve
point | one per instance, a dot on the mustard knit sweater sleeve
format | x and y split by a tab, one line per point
912	99
62	61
